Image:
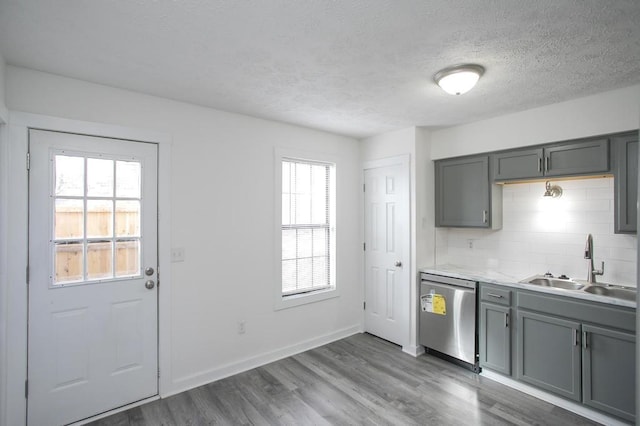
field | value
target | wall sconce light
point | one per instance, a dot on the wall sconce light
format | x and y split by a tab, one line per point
553	191
458	79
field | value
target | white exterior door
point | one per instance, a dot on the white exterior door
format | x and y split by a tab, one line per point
93	330
387	252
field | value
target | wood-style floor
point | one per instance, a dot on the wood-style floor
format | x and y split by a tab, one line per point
357	380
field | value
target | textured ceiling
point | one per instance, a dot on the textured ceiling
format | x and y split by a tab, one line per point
358	67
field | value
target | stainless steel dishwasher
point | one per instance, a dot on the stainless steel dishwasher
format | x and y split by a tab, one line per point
448	318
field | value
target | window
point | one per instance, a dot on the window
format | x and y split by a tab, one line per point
307	227
96	219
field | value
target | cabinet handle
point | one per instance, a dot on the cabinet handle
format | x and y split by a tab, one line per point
585	344
506	320
540	164
484	216
547	162
575	337
497	296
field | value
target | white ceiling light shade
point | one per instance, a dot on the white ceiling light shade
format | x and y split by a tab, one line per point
459	79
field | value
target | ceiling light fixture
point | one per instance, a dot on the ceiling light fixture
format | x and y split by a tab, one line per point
458	79
553	191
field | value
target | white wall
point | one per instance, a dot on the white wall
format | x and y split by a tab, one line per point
541	234
3	108
3	242
607	112
222	194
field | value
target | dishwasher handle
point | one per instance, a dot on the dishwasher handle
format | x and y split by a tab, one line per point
450	281
431	284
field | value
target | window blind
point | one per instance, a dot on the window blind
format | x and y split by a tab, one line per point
306	226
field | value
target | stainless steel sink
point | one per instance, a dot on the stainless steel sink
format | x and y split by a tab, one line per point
612	291
553	282
608	290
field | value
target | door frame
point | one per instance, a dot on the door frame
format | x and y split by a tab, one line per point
405	162
14	205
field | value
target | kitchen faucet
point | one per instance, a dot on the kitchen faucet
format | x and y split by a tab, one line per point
588	254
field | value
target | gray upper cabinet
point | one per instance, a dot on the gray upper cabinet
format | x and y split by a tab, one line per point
518	164
625	170
464	196
608	371
585	157
577	158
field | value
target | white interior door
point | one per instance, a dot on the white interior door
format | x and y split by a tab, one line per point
92	273
387	252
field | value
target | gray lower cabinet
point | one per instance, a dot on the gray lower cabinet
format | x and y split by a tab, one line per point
495	337
625	172
549	353
495	328
584	362
608	370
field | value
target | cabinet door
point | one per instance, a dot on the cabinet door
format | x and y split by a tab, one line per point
495	338
549	353
626	183
608	380
462	192
519	164
587	157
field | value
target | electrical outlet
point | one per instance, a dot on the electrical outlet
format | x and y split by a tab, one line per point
177	254
470	243
241	327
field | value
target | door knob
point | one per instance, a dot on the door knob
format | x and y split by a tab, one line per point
150	284
148	271
398	264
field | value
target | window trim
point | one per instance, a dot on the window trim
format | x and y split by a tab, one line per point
287	301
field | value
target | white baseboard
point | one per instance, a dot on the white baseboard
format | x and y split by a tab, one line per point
413	350
117	410
205	377
555	400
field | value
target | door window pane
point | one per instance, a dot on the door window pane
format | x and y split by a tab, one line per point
127	218
99	260
99	218
69	218
128	174
69	175
69	261
99	177
127	258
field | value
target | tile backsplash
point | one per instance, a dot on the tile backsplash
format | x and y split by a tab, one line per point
541	234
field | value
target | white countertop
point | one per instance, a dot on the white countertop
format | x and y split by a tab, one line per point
498	278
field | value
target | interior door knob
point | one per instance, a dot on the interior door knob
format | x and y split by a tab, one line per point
150	284
398	264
